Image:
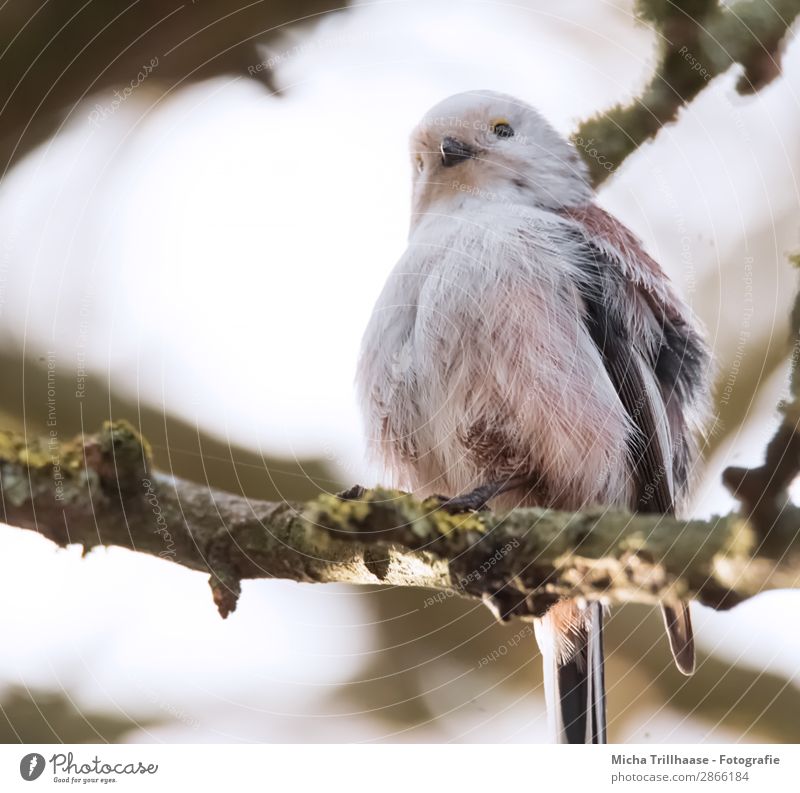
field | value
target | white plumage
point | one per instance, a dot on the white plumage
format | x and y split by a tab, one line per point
525	339
477	363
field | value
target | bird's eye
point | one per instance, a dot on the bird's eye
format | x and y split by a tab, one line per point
502	129
420	163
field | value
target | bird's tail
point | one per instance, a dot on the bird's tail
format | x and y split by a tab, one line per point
678	622
570	638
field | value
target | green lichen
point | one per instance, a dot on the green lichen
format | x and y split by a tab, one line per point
118	439
401	516
445	524
336	513
16	490
117	452
740	541
15	449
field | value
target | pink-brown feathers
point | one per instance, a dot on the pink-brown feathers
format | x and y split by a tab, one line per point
526	337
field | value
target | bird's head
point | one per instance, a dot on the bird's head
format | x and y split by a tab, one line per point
486	145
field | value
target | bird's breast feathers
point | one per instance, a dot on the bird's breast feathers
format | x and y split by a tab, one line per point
477	362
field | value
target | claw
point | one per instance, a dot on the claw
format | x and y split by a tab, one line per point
353	493
476	500
469	502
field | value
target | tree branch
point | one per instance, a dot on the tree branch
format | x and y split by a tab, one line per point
100	490
764	491
697	41
57	55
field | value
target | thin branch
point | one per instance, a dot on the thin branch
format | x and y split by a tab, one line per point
763	492
697	41
100	490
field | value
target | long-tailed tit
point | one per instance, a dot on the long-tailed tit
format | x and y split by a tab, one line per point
527	351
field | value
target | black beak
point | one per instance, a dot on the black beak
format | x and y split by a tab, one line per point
454	151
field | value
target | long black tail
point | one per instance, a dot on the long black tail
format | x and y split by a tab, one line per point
573	676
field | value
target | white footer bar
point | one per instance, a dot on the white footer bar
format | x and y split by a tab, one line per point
401	768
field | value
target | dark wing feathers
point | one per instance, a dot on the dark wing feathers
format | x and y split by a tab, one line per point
623	361
673	358
645	336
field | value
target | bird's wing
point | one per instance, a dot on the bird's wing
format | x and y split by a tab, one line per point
652	351
629	360
657	362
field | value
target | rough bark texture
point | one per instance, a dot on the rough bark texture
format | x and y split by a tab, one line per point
100	490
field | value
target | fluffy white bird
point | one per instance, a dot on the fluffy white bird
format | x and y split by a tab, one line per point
527	351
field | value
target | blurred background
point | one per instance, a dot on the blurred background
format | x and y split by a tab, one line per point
199	204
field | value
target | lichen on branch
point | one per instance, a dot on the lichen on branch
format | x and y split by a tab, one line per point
696	42
519	562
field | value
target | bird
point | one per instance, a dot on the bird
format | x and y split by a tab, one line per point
527	351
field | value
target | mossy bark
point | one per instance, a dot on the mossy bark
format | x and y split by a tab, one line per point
100	490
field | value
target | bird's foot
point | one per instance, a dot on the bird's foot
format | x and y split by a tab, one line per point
353	493
477	500
474	501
